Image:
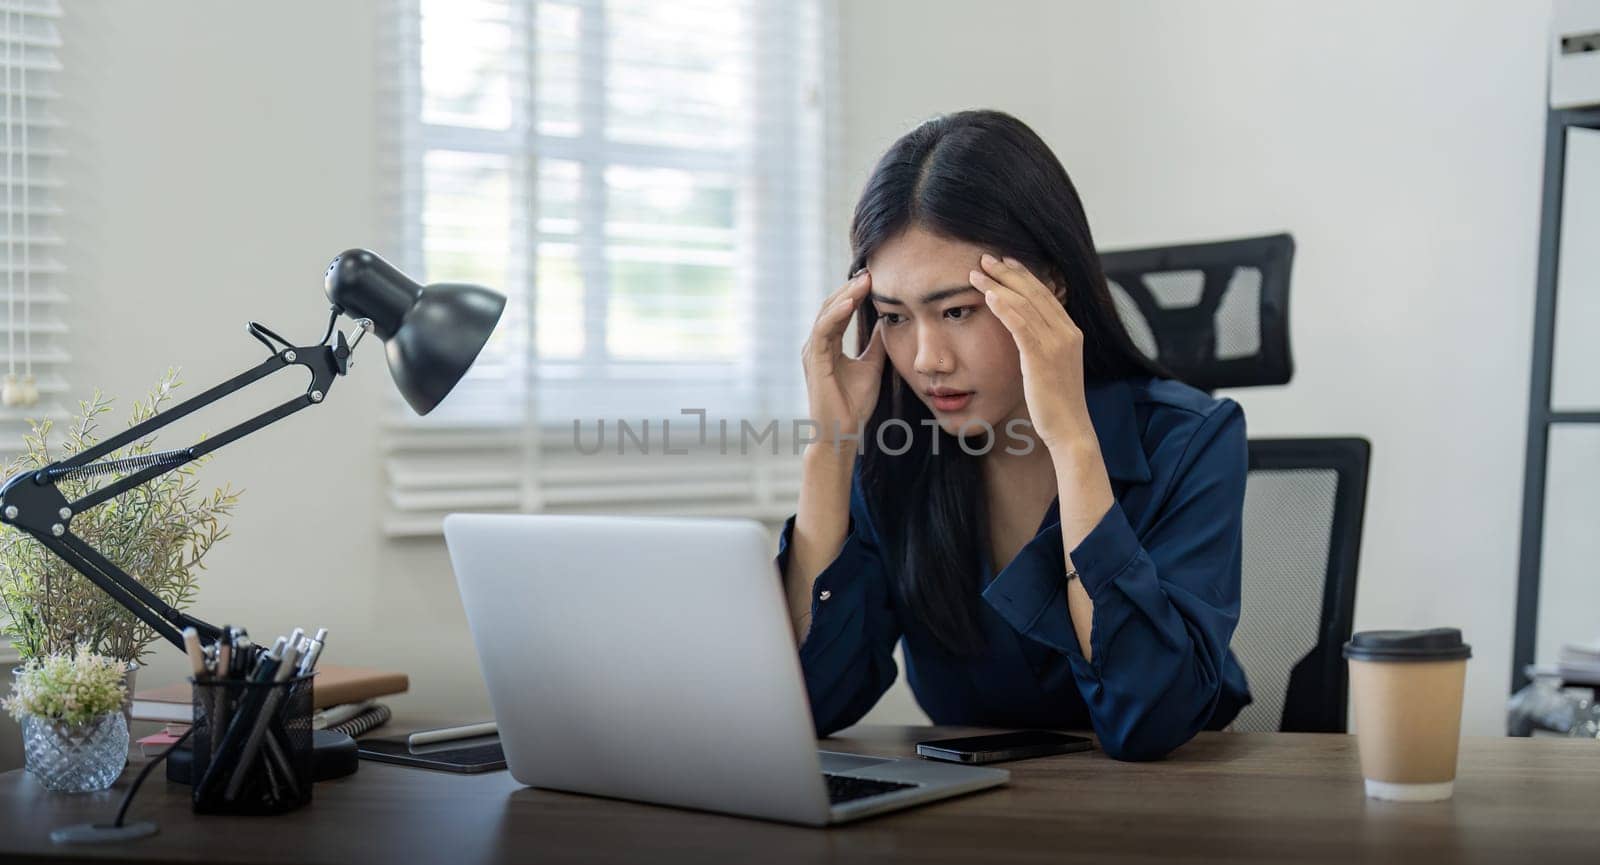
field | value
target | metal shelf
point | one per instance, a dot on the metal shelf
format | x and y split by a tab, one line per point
1541	415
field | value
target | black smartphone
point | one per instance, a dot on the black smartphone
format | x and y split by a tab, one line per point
482	754
999	747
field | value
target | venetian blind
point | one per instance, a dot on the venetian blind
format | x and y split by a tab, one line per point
647	183
35	384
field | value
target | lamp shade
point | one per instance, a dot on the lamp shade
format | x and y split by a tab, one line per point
431	334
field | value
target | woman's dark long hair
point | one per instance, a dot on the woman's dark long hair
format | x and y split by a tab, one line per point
985	178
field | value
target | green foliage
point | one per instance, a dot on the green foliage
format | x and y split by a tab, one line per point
74	688
158	532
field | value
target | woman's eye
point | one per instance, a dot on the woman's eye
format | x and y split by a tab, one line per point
890	317
959	312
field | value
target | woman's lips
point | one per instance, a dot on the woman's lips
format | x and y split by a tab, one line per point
951	402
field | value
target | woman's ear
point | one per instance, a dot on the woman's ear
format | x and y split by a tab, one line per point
1052	278
1058	286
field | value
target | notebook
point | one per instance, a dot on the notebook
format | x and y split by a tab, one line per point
334	686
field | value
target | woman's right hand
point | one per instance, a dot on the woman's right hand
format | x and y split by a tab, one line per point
842	390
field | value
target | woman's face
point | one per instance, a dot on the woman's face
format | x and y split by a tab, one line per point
941	337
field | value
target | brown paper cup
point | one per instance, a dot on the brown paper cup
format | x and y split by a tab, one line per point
1408	726
1407	713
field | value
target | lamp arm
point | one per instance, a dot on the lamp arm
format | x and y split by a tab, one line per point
33	503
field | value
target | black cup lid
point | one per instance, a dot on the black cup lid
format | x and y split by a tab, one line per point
1434	644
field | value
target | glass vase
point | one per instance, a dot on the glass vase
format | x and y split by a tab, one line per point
76	758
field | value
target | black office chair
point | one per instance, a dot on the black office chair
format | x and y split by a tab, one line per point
1217	316
1214	314
1303	507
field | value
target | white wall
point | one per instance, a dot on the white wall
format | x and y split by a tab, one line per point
222	154
1400	143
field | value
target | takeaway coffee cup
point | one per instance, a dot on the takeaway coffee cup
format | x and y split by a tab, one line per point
1406	686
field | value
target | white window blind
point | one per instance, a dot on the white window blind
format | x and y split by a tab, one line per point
646	180
30	139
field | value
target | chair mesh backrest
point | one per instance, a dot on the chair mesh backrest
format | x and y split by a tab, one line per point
1214	314
1303	506
1288	526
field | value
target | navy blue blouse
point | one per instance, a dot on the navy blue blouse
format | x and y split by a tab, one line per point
1162	567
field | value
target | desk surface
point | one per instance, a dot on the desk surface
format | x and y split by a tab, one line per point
1225	797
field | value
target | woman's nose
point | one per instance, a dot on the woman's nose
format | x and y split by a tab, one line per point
932	356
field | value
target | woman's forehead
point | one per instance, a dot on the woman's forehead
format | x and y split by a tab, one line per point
917	261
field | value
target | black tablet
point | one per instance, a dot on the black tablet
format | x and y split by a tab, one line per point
478	754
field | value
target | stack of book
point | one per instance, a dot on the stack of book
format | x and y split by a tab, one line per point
344	699
1579	663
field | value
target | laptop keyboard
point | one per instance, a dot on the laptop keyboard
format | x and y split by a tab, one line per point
847	788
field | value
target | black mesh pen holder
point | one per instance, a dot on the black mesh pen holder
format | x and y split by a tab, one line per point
252	746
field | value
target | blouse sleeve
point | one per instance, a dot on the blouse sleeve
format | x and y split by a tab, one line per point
847	655
1166	599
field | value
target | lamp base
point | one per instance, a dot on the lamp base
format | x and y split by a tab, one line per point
94	833
333	755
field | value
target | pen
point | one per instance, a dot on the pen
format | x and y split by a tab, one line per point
271	776
252	744
226	670
309	662
449	734
273	729
244	652
275	754
265	667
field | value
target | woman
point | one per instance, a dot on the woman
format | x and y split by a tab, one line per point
1051	526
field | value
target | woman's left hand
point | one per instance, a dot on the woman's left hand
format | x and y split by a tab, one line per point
1050	345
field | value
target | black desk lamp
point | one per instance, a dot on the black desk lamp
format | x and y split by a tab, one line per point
432	336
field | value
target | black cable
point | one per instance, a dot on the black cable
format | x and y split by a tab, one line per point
262	332
127	798
267	336
271	349
332	319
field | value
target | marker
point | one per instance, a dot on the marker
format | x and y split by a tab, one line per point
197	656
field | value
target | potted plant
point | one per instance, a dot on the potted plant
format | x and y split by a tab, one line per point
158	532
75	738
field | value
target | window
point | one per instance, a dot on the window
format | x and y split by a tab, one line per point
646	183
35	326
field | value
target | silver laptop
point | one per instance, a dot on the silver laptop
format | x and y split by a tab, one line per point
653	659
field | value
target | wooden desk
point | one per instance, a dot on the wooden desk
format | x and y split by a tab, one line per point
1226	797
